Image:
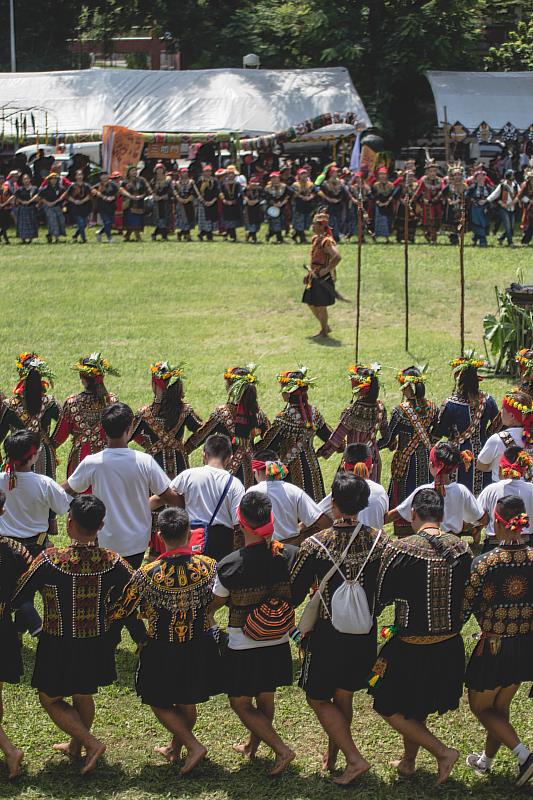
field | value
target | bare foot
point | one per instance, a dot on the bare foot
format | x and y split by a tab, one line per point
68	749
13	761
329	760
404	767
282	761
352	772
446	764
245	749
92	757
168	752
194	757
328	329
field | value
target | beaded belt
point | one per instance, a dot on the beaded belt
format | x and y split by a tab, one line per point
427	639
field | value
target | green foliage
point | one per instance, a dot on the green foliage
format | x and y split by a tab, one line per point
516	53
136	61
506	333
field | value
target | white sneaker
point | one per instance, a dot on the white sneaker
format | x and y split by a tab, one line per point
98	237
110	240
473	761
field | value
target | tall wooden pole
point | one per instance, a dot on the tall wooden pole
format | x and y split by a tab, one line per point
446	136
406	257
462	271
358	293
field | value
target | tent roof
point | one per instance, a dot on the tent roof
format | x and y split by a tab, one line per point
251	102
492	97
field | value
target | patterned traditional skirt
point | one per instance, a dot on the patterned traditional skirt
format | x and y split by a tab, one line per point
55	221
205	224
305	472
64	667
184	216
248	673
301	220
382	222
173	674
27	222
500	662
321	293
133	221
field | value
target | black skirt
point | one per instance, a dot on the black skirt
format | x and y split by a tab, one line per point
321	292
179	674
418	680
11	667
511	663
249	673
64	667
336	660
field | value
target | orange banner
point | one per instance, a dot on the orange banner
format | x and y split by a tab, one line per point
368	157
122	148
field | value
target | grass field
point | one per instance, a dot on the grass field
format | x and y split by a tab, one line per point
215	305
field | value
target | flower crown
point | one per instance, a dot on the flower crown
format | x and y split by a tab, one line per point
402	379
239	383
163	371
525	363
292	380
359	381
517	523
31	361
95	365
510	401
460	364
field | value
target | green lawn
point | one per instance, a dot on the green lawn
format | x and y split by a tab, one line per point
215	305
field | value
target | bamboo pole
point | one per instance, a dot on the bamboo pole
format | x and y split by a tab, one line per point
406	258
462	273
358	292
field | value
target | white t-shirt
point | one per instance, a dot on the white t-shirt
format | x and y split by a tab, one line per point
290	505
29	503
460	506
514	487
202	487
495	447
237	639
374	514
123	479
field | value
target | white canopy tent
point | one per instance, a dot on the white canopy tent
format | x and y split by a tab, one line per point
249	102
496	98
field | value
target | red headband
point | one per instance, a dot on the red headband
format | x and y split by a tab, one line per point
360	468
442	469
10	465
517	523
162	383
263	532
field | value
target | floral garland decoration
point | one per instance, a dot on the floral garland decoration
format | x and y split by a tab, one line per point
292	380
510	401
239	383
94	365
361	383
525	364
28	361
164	371
469	361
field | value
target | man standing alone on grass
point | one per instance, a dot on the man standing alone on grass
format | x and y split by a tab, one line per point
76	650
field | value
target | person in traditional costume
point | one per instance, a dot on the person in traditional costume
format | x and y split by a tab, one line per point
524	359
118	221
76	650
499	594
410	436
337	664
106	194
358	198
185	194
81	414
230	198
240	419
51	197
462	512
33	409
208	190
525	198
467	415
26	196
404	193
293	430
303	203
515	466
254	582
506	197
179	666
477	196
78	195
429	196
162	196
454	198
14	562
333	196
363	419
319	292
277	195
420	670
517	421
7	205
383	194
252	199
134	190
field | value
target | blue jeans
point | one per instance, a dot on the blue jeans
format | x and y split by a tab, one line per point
507	219
80	223
107	224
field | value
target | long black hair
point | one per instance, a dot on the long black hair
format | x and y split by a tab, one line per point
33	392
418	388
247	408
171	404
468	384
372	394
92	386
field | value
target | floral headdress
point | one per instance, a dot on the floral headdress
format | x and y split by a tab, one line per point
292	380
525	363
521	412
404	379
26	362
166	373
510	402
361	382
467	361
515	524
95	366
240	382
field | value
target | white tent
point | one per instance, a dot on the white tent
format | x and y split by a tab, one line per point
492	97
250	102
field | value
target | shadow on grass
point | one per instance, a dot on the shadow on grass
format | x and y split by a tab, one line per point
328	341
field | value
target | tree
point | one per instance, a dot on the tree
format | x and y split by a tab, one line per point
514	54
